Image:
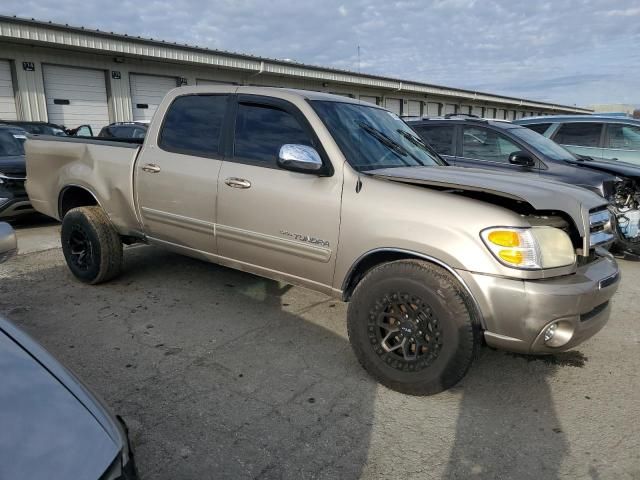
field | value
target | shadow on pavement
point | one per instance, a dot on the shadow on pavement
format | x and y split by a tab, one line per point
507	425
216	374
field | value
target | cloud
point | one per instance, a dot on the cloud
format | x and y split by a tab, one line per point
544	50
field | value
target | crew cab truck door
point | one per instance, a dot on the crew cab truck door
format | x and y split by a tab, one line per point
177	171
273	221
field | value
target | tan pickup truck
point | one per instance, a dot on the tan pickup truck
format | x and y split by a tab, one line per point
344	198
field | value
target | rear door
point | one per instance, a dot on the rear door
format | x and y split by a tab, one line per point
622	142
177	172
583	138
270	220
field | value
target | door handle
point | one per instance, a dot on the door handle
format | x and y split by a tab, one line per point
151	168
238	182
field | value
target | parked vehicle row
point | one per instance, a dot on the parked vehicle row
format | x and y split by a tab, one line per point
342	197
466	141
13	197
52	426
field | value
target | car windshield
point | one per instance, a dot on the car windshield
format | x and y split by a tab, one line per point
9	144
371	138
541	143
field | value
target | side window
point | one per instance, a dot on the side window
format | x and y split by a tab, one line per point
261	131
440	137
580	134
487	145
623	137
193	123
538	127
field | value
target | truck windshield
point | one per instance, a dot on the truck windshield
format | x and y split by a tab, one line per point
371	138
544	145
10	145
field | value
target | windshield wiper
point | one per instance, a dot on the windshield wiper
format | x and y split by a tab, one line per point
391	144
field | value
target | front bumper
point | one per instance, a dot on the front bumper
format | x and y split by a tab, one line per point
516	312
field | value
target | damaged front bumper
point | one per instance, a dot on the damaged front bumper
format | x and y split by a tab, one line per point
519	314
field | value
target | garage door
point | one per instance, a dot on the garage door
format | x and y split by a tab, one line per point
76	96
365	98
147	91
449	108
414	108
477	111
7	99
501	114
393	104
433	109
490	113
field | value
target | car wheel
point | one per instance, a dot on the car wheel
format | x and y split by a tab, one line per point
412	327
91	246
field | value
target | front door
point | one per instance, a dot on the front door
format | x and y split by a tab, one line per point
271	220
482	147
177	175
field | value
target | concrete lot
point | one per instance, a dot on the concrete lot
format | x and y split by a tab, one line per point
221	374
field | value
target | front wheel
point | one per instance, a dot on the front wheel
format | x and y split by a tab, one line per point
91	246
411	327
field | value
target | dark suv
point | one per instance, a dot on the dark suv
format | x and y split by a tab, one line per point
468	141
596	136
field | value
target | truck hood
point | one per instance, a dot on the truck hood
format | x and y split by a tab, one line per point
540	194
50	429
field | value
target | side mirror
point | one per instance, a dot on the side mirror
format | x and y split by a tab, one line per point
299	158
8	242
522	159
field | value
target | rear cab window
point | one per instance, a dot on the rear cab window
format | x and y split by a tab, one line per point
579	134
440	137
193	125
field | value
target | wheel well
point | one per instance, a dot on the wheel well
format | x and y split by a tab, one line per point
72	197
367	263
383	256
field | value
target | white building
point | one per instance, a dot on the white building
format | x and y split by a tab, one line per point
72	76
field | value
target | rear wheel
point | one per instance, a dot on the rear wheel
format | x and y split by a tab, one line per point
411	327
91	246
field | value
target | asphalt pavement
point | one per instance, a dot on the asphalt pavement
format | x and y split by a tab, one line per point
222	374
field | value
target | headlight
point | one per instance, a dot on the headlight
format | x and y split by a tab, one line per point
532	248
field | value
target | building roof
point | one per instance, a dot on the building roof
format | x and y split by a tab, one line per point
34	31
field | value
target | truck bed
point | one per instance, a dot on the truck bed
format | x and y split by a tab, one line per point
103	167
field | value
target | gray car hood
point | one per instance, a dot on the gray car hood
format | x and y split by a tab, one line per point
540	194
46	430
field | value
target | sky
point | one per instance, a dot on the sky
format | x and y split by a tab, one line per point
565	51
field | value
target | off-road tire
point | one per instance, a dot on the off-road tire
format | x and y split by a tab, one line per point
103	258
451	319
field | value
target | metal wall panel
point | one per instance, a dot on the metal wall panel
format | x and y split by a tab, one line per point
414	108
366	98
394	105
147	91
76	96
433	109
8	109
